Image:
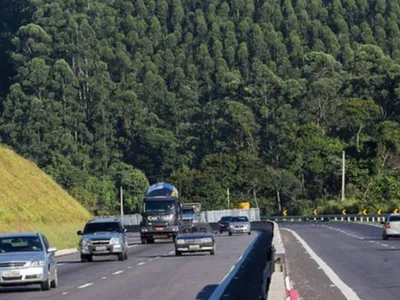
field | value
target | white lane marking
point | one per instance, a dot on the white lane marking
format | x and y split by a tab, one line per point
60	264
103	278
171	252
218	292
64	293
141	263
385	245
344	288
129	267
131	246
332	285
118	272
85	285
157	257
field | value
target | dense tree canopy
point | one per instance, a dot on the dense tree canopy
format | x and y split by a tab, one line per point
257	96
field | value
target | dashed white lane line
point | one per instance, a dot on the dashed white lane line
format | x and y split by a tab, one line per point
118	272
129	267
344	288
103	277
385	245
132	246
64	293
141	263
171	252
85	285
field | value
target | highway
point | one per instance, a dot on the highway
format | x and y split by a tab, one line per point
364	263
151	272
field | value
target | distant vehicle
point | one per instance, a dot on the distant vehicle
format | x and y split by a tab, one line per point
191	213
27	258
239	224
196	238
103	236
391	227
224	224
162	213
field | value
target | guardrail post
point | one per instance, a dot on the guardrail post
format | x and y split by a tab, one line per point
335	218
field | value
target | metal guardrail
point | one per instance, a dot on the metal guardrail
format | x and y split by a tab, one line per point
327	218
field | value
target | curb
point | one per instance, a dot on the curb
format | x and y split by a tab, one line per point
66	252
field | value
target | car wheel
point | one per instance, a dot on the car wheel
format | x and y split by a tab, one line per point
144	241
121	256
385	237
178	253
230	233
84	258
126	254
212	252
45	285
90	258
220	232
249	233
54	282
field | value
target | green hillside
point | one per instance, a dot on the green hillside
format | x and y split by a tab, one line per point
258	96
31	201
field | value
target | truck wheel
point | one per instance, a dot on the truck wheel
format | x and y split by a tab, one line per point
121	256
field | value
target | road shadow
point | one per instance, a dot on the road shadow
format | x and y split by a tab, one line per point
22	289
385	250
206	292
69	262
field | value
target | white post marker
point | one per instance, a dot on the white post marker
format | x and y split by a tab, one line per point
219	291
344	288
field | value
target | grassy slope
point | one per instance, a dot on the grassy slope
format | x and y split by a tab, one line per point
31	201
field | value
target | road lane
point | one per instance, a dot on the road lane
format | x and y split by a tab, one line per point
72	273
152	272
357	254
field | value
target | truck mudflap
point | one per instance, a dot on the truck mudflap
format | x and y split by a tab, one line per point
149	234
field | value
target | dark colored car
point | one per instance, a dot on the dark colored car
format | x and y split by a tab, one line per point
224	224
196	238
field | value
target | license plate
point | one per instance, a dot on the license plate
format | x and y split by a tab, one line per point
103	248
159	228
11	274
194	247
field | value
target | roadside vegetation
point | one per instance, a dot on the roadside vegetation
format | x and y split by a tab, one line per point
258	96
31	201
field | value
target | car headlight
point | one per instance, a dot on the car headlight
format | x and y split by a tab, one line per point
38	263
231	226
207	240
86	242
114	241
180	241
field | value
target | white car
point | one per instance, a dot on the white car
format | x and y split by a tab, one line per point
391	227
27	258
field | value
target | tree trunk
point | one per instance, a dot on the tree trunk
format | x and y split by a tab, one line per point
358	138
255	197
278	199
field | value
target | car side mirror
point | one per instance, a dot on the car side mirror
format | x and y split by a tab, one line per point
79	232
52	250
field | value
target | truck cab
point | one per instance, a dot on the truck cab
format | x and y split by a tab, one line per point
162	213
191	213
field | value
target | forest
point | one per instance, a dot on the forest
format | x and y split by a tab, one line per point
258	96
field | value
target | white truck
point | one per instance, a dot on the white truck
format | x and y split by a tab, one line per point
191	213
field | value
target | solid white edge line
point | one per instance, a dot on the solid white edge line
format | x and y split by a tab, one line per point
344	288
219	291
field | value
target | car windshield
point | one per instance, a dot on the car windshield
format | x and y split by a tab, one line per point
225	219
159	206
394	219
102	227
239	219
196	229
20	244
188	210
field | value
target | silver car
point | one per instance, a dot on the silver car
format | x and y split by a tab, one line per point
27	258
391	227
239	224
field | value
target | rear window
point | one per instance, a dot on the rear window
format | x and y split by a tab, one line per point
394	219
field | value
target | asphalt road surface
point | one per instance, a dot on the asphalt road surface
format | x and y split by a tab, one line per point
356	253
151	272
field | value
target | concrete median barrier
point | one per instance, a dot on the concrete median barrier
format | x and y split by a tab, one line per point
275	282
